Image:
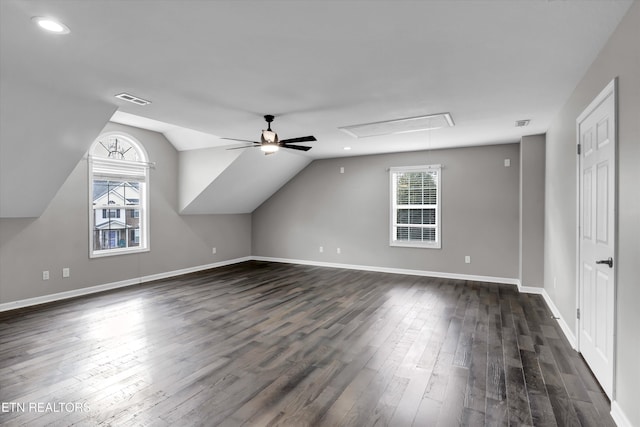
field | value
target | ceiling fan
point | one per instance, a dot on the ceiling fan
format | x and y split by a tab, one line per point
269	142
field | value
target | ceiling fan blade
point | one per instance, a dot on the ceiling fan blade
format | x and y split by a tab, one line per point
242	140
300	139
296	147
240	148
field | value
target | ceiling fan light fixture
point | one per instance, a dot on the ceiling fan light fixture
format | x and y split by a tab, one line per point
269	147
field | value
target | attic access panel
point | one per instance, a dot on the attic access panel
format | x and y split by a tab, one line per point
397	126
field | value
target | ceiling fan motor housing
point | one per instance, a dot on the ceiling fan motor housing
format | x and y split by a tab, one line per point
268	136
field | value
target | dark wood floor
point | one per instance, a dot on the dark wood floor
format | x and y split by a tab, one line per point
262	344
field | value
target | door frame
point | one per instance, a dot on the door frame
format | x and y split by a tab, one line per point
610	89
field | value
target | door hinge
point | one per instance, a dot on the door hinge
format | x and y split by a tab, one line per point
579	146
578	313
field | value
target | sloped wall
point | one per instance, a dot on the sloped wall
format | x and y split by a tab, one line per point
236	181
59	237
43	134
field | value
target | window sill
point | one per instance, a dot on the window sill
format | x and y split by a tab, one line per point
113	252
418	245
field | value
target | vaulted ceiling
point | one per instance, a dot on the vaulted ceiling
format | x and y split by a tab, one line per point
212	69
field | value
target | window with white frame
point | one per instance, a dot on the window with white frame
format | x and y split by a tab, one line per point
118	194
415	206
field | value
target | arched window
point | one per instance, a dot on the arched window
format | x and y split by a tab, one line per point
119	196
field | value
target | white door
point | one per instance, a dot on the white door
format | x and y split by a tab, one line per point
596	131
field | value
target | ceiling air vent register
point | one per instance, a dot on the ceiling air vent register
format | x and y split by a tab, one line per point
406	125
131	98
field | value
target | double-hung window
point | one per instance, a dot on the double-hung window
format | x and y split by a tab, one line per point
415	206
118	194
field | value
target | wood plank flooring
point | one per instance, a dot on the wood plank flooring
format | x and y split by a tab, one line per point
267	344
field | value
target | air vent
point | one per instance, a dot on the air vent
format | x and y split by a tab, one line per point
391	127
133	99
522	123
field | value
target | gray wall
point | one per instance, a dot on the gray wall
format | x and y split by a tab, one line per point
322	207
60	236
620	57
532	149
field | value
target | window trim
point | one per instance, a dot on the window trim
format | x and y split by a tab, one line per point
393	207
125	170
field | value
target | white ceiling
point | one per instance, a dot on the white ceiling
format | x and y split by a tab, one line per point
218	67
213	68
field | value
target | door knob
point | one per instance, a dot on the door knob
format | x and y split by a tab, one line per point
608	261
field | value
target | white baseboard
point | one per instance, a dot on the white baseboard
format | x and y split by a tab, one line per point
619	416
113	285
556	313
561	321
491	279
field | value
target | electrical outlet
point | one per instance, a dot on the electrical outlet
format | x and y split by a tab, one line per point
66	272
507	163
467	259
338	251
321	249
214	251
45	275
341	169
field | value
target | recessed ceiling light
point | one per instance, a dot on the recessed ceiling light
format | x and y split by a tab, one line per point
347	148
51	25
